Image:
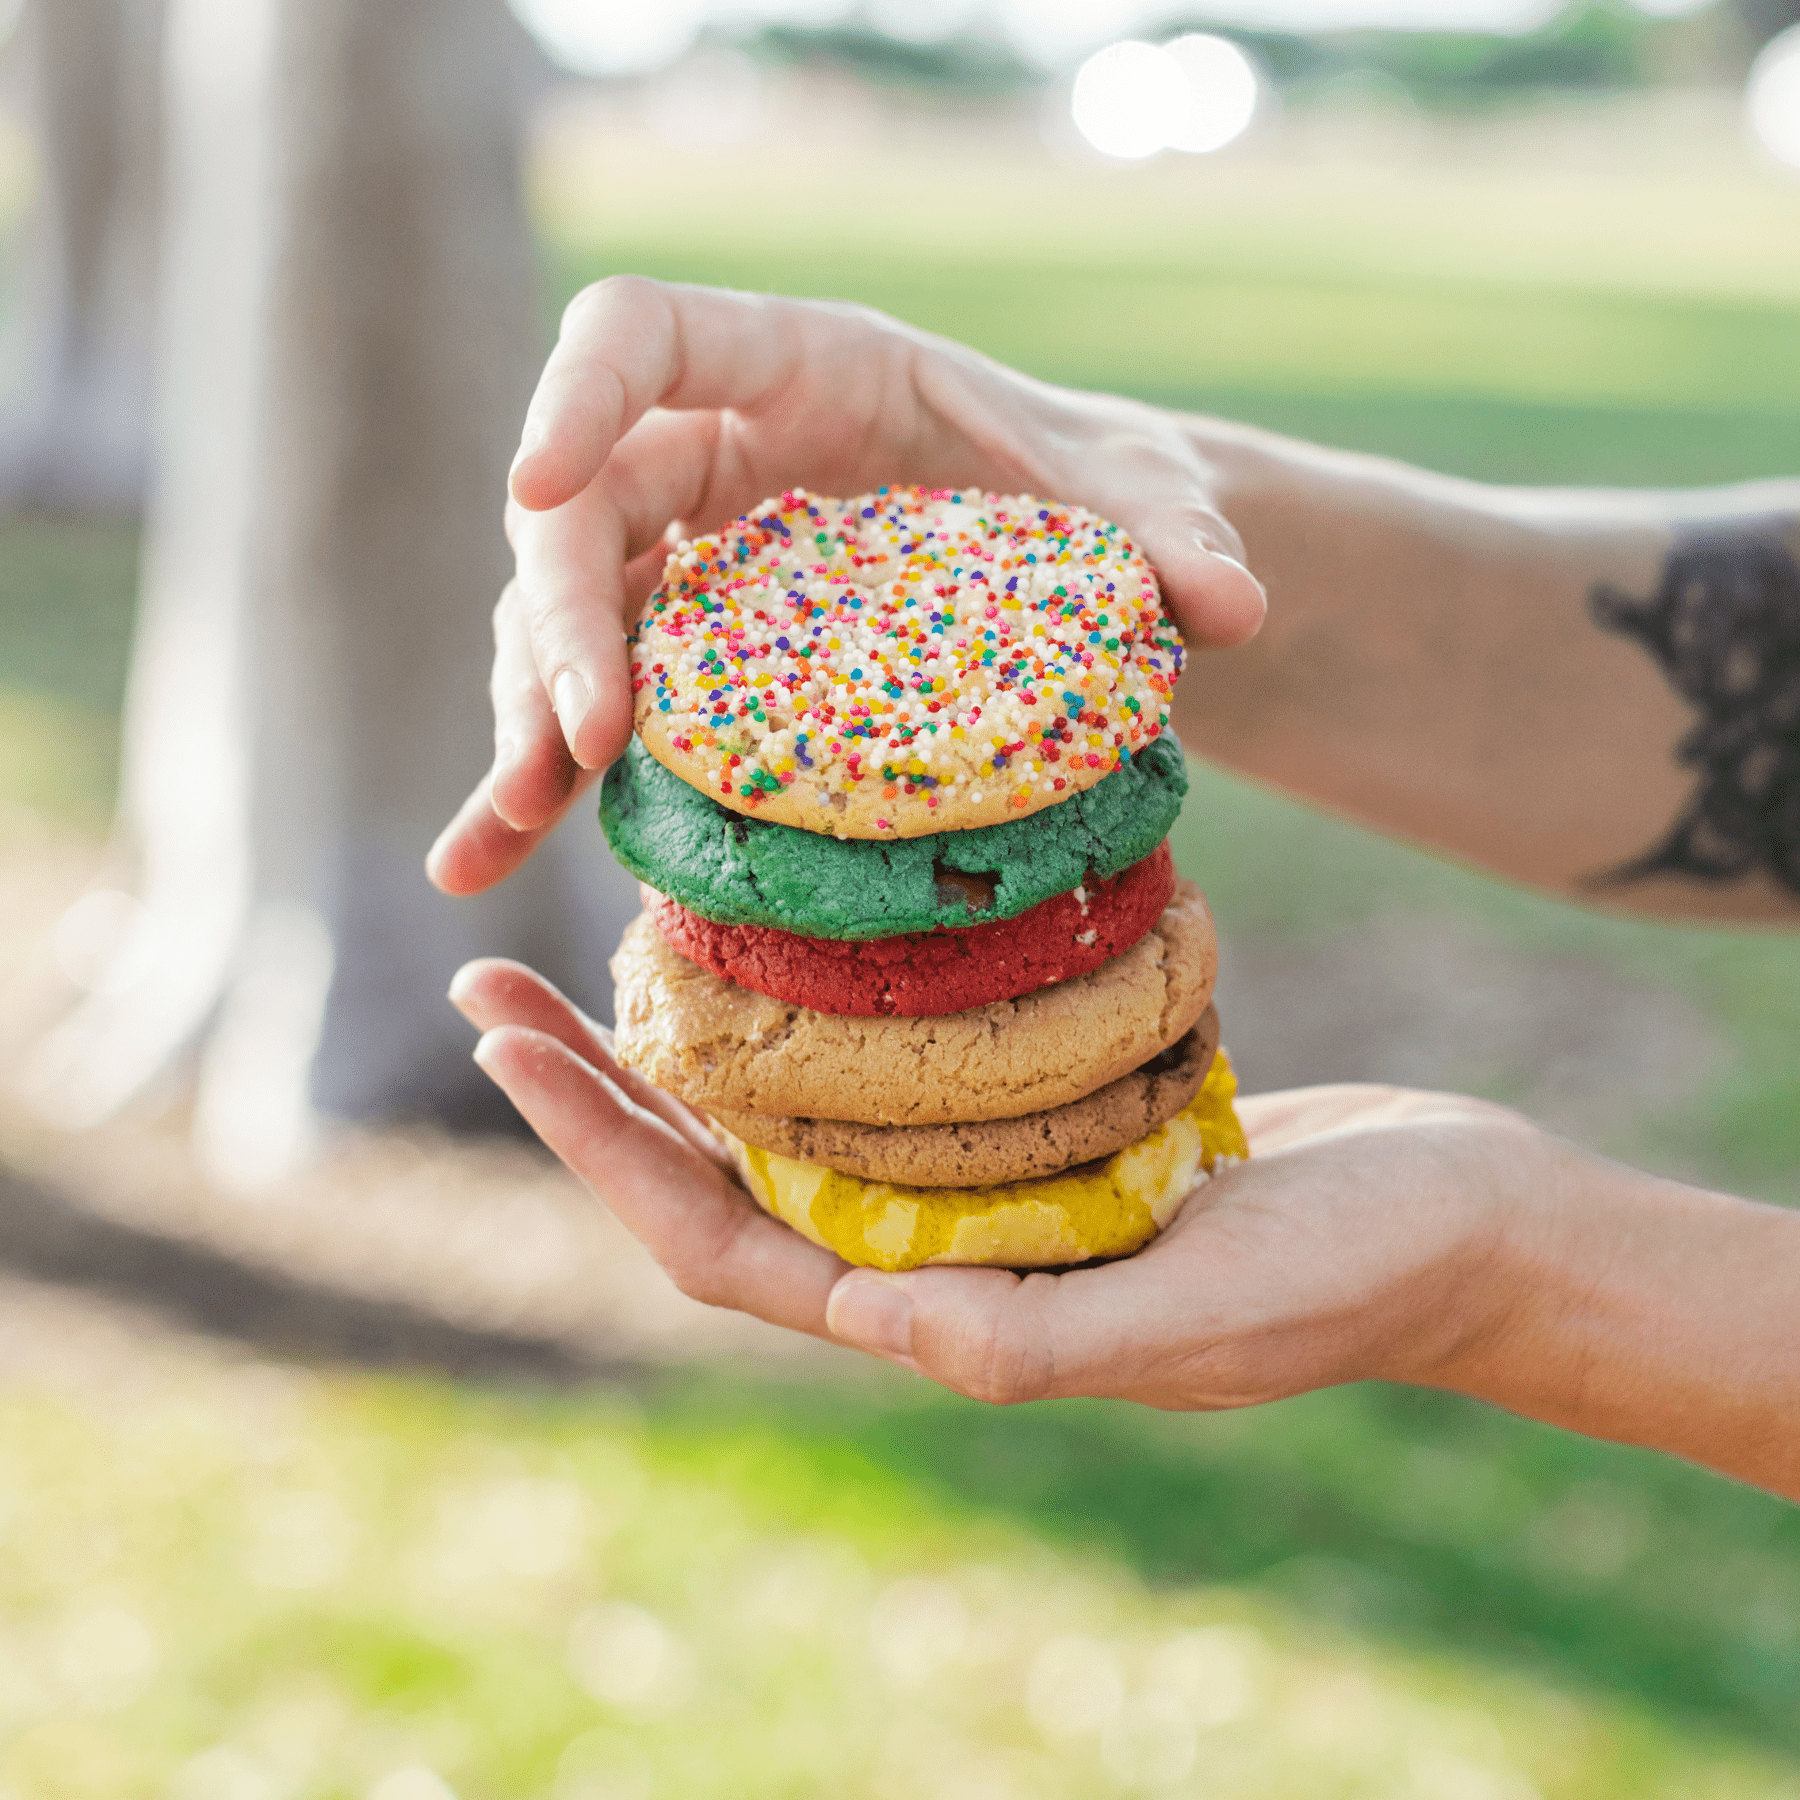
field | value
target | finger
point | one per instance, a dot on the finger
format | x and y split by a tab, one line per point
1140	468
572	608
713	1241
628	344
1215	601
478	848
494	991
1199	559
575	594
1003	1338
534	774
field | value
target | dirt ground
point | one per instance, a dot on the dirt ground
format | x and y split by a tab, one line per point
402	1248
1433	1003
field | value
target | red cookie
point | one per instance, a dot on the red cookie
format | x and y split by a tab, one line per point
926	974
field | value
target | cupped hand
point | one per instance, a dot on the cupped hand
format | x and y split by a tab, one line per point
1366	1238
665	411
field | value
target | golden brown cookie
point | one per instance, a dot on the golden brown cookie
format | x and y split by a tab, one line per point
997	1150
721	1047
906	662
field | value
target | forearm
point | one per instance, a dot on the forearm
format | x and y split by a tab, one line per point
1436	663
1643	1311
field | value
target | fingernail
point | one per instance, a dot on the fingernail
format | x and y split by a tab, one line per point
434	857
506	754
1231	562
872	1312
572	698
484	1054
530	439
460	983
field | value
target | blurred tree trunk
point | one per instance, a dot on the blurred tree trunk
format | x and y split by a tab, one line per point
349	335
75	434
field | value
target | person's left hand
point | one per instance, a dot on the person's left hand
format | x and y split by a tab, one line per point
1363	1240
667	409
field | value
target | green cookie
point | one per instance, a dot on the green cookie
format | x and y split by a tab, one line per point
743	871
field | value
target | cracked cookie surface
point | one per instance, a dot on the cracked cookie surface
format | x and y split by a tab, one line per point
720	1046
740	871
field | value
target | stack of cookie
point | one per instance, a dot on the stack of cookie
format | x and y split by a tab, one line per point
913	941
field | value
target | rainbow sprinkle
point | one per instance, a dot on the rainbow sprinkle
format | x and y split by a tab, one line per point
907	646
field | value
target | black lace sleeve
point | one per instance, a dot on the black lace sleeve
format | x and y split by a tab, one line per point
1725	626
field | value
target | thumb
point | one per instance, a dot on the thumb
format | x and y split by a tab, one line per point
1211	595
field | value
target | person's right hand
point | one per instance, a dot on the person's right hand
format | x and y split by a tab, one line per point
665	411
1374	1234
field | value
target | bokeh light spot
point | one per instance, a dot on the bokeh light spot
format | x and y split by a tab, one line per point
105	1658
625	1656
1221	93
916	1627
1075	1686
1133	99
1126	99
610	37
1772	99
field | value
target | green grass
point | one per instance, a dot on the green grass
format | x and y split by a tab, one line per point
1202	344
262	1585
1410	1518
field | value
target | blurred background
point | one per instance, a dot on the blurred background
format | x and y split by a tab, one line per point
345	1448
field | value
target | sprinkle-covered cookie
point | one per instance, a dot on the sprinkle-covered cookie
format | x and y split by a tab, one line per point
903	663
741	871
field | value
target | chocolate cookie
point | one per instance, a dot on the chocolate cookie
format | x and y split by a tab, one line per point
999	1150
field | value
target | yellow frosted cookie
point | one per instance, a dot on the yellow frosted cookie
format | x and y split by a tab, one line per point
1100	1210
908	661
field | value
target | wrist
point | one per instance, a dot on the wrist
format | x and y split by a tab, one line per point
1638	1309
1475	1305
1542	1214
